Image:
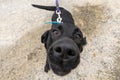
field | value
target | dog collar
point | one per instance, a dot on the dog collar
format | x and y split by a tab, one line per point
53	22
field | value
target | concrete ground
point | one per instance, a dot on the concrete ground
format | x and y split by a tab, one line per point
22	56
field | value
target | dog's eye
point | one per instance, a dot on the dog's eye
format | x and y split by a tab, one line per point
56	32
77	36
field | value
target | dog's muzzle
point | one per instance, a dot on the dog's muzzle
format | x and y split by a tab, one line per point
63	56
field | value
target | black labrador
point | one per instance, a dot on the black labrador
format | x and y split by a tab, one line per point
63	42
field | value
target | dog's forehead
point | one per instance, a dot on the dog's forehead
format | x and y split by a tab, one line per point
66	27
70	27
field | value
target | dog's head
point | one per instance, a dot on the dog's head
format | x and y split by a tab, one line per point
64	43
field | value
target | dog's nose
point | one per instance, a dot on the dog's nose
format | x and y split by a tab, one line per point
64	51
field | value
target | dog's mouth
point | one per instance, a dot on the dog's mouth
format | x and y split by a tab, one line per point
63	67
60	70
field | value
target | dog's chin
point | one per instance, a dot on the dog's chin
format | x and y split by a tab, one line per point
61	73
64	69
59	70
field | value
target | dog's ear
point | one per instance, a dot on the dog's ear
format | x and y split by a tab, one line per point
84	42
44	37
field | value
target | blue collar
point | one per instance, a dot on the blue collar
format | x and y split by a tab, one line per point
53	22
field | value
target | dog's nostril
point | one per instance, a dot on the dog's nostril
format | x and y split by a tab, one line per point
58	49
71	53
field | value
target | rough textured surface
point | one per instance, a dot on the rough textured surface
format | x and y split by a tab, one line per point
22	56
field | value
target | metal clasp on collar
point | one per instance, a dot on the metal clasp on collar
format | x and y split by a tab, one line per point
59	19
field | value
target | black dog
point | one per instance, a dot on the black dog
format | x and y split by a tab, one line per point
63	42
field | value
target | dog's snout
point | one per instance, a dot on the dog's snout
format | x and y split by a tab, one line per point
64	51
63	55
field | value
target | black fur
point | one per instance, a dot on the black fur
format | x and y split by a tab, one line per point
63	42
